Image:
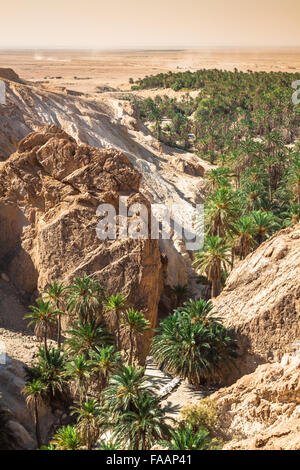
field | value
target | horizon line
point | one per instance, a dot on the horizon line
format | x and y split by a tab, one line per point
147	49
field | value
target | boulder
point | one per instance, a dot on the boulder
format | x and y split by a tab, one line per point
189	167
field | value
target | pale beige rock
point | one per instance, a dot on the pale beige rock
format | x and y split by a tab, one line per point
189	167
261	301
262	409
50	190
103	123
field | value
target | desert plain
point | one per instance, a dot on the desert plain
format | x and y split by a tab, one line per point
89	71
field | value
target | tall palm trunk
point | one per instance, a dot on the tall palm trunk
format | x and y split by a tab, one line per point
144	447
45	338
118	336
131	347
37	424
59	331
89	440
215	288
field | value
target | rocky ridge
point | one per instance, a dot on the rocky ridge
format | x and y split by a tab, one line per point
261	411
170	176
49	193
261	301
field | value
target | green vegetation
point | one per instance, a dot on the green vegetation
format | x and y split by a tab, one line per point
136	324
185	438
247	125
34	396
98	383
66	438
192	343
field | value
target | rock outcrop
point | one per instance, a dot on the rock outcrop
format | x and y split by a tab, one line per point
9	74
21	349
49	193
261	301
104	123
262	410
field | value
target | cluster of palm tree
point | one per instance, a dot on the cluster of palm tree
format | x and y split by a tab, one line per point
248	125
96	380
91	351
192	343
233	229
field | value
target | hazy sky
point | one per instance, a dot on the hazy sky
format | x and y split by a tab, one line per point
106	24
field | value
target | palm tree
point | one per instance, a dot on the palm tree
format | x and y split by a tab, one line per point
136	323
193	347
105	361
185	438
88	421
180	292
79	368
244	236
265	223
198	310
66	438
221	211
43	315
294	177
115	304
123	388
217	178
294	214
84	297
142	427
50	370
55	293
212	260
85	336
34	391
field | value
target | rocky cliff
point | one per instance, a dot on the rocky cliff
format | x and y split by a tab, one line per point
262	410
49	193
170	176
261	301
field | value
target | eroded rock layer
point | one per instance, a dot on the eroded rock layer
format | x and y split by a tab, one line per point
49	192
262	409
261	301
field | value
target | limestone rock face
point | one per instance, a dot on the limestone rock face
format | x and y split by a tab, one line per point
104	123
261	301
49	193
262	410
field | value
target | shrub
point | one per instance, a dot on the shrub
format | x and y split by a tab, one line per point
204	414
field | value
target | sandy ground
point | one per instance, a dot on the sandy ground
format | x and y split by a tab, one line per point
85	71
182	395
